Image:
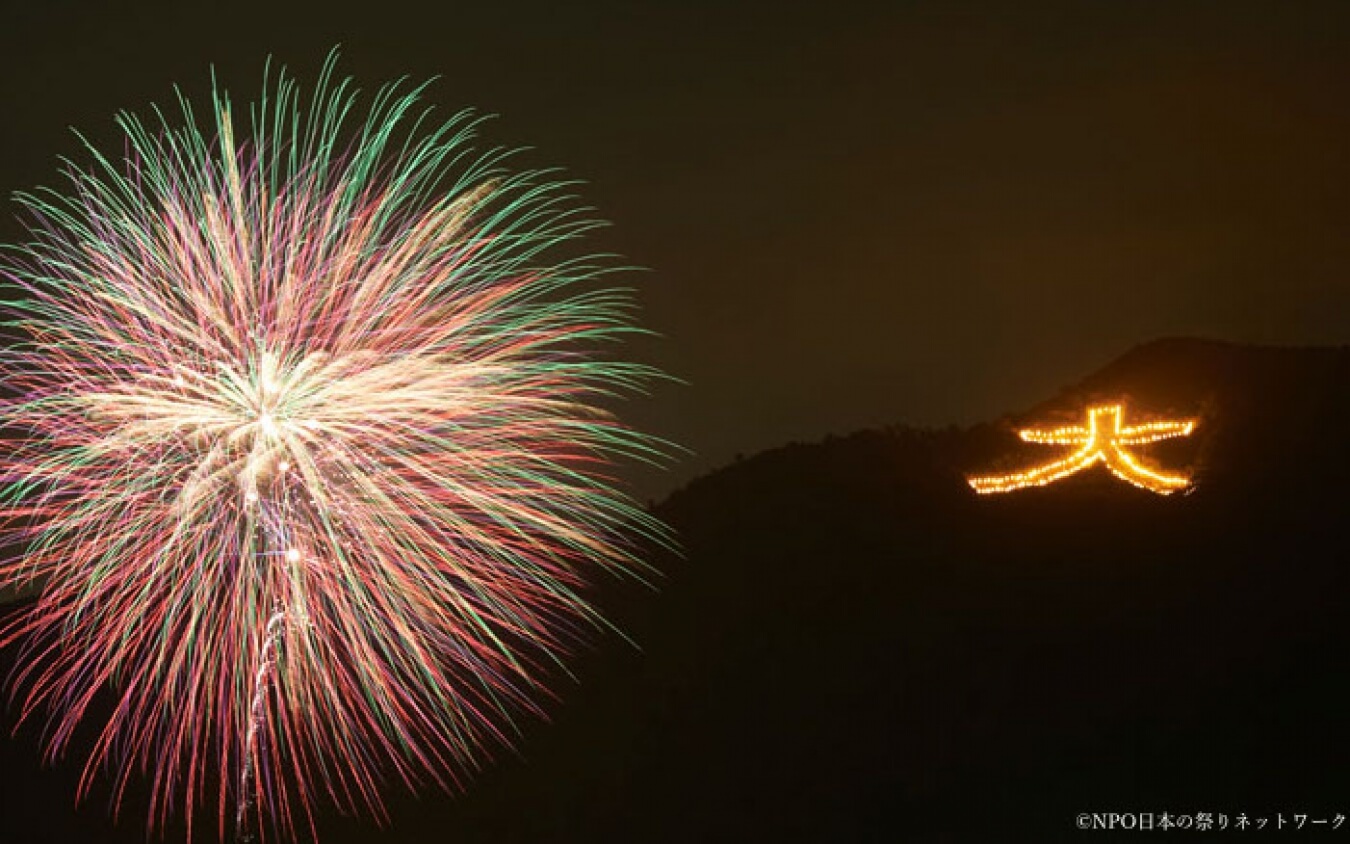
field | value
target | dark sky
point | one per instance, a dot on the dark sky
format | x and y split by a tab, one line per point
853	215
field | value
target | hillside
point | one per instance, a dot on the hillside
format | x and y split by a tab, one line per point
855	647
867	651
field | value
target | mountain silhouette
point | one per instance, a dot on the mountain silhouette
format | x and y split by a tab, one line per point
853	646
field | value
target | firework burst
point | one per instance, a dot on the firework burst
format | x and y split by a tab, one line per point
306	451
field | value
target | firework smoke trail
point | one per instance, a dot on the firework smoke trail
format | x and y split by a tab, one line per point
306	452
266	660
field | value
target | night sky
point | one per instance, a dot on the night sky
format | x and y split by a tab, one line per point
922	213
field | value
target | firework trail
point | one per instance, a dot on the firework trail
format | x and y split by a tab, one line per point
305	447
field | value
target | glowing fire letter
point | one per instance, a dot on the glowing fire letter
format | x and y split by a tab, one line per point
1103	440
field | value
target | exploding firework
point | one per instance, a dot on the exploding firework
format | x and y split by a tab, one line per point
306	449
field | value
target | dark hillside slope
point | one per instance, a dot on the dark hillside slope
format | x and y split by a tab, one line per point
866	651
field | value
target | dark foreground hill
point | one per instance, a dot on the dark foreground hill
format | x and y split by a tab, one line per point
857	648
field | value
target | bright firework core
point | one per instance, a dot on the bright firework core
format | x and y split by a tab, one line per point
251	421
